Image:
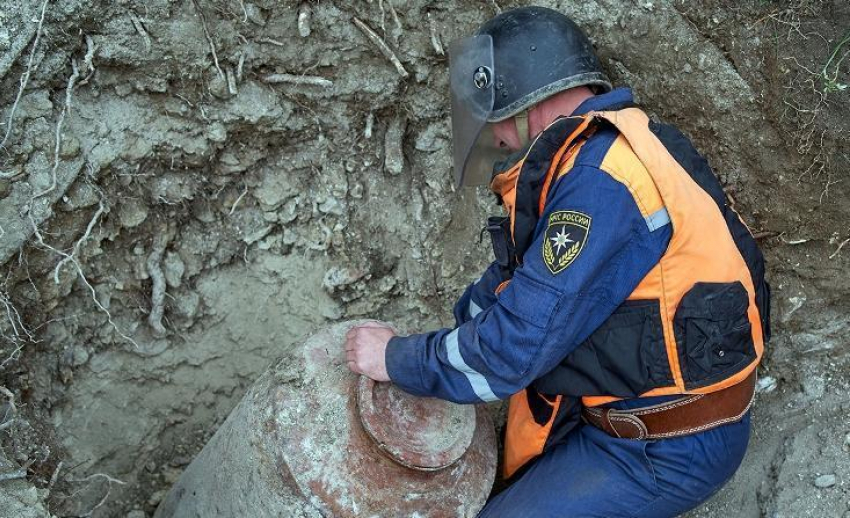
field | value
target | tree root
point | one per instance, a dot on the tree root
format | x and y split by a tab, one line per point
79	243
209	39
382	46
25	77
13	475
109	482
140	28
435	37
82	277
20	334
838	250
8	418
298	80
59	123
158	279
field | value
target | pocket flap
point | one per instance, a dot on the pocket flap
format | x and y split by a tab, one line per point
717	301
531	301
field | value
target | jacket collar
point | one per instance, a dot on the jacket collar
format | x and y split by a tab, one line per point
613	100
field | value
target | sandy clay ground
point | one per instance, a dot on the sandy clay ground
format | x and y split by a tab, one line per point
189	187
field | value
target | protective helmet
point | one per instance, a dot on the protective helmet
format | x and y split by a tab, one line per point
513	62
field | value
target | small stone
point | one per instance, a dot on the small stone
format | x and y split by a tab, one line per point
393	141
173	268
186	304
270	242
304	15
216	132
123	89
794	303
203	212
180	461
136	513
370	122
170	475
70	147
289	212
80	356
386	284
132	213
825	481
156	498
229	163
846	445
290	236
37	104
255	14
257	234
766	385
337	277
275	189
331	206
218	86
432	139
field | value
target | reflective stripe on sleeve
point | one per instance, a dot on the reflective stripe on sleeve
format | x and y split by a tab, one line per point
476	379
657	219
474	308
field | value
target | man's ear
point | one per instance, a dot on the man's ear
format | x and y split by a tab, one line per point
506	131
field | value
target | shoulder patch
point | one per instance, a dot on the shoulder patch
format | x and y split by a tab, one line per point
564	239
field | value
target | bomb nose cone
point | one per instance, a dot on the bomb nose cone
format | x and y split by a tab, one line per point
424	434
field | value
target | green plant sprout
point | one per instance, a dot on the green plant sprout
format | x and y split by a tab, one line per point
831	83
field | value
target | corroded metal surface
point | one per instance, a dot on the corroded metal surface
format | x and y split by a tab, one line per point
420	433
298	445
348	473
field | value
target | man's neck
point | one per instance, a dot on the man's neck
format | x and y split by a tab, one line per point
562	104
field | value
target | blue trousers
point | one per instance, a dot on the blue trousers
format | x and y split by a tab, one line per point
595	475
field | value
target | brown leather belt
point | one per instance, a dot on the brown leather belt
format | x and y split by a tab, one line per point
688	415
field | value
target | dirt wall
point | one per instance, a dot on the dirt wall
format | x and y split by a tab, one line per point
230	175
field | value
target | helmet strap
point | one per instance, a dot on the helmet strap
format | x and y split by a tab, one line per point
522	127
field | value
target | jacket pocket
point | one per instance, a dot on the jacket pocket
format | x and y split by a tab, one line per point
713	333
530	301
625	356
523	327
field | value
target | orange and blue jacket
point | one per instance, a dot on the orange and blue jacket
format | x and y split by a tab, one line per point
622	274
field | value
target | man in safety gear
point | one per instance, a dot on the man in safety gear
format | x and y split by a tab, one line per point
626	310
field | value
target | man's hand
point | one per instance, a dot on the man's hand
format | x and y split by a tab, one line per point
365	347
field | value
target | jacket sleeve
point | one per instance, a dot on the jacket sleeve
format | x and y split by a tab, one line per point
541	316
478	296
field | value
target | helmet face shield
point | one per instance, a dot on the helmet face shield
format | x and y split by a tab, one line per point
516	60
473	93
